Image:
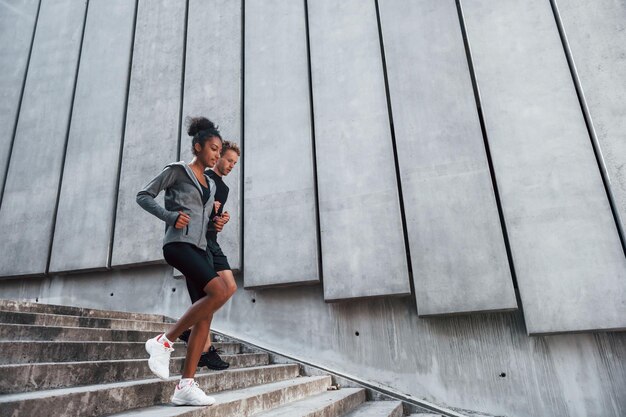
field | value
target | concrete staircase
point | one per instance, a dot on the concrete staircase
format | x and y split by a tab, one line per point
69	361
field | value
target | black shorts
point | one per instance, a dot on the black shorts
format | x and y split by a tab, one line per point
194	263
220	261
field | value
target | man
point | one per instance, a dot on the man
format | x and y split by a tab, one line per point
225	164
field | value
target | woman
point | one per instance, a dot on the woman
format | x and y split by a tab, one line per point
189	195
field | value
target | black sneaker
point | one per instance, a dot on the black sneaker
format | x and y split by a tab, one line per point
212	360
185	336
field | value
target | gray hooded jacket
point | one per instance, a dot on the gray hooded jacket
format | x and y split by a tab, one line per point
182	193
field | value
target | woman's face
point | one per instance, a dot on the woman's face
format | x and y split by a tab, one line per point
210	152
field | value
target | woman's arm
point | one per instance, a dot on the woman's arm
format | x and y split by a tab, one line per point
146	197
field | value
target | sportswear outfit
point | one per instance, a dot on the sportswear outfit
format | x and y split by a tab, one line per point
185	250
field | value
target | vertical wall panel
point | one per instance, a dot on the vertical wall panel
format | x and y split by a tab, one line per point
17	21
457	249
82	236
280	223
569	263
362	241
596	34
151	136
213	90
30	196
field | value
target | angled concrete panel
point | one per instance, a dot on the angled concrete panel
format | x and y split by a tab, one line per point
30	196
279	173
152	119
457	249
596	36
213	90
569	262
17	21
363	250
84	223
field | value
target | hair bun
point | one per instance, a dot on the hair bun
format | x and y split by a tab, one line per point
198	124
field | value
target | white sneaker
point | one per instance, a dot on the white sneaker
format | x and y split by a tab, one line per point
159	361
191	394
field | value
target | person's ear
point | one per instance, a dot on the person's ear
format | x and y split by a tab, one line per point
197	147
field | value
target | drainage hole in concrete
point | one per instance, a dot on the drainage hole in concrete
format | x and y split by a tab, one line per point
254	300
111	294
502	375
36	300
173	289
356	333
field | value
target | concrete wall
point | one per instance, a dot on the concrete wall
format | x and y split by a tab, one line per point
448	157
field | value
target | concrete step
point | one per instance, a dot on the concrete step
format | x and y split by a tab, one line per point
27	332
378	409
30	307
243	402
15	352
98	400
45	376
59	320
327	404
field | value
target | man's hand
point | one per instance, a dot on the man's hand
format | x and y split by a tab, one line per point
182	220
218	223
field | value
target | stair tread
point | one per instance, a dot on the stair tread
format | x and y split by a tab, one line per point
168	410
95	387
376	409
27	306
62	316
129	361
311	404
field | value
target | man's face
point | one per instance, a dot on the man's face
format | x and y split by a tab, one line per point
227	162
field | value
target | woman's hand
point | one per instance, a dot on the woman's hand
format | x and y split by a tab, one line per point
182	221
217	206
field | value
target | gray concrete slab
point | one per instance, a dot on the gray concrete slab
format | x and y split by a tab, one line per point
596	37
363	250
378	409
457	247
334	403
280	230
569	262
30	195
17	21
213	90
152	119
84	223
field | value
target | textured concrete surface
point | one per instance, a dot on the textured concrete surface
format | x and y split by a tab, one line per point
10	317
596	36
111	398
363	250
481	362
328	404
30	195
378	409
280	230
213	89
245	402
150	141
17	21
42	376
457	249
84	223
28	307
52	333
568	258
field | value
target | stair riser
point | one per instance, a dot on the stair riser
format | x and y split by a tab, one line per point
22	332
36	319
338	408
34	377
38	352
22	306
114	400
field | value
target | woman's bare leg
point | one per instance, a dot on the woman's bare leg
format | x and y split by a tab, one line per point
228	280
